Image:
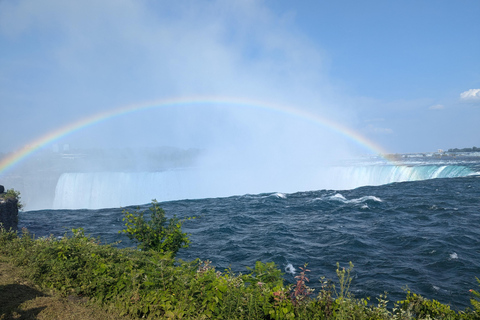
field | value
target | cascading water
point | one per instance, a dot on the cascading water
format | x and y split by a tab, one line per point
93	190
353	177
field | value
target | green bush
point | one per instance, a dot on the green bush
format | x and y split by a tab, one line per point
476	299
6	237
422	308
158	233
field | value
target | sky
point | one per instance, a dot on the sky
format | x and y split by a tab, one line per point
403	74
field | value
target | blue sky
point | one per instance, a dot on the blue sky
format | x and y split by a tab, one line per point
377	47
405	74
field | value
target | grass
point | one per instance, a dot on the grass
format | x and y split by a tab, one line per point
20	298
78	277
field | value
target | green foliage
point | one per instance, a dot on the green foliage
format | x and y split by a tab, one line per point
152	285
344	280
6	237
476	299
424	308
13	195
159	233
264	274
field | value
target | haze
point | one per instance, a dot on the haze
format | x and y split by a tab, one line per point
405	75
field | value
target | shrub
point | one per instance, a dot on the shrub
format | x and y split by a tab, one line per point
476	299
264	274
158	233
424	308
6	237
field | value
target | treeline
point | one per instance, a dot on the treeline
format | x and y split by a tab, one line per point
473	149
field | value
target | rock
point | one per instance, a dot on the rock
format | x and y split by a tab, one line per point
9	213
2	189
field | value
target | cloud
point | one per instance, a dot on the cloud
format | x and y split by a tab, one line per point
470	95
75	59
437	107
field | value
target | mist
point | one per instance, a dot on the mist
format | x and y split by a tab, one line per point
75	59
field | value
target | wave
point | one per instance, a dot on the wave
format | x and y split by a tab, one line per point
279	195
341	198
362	201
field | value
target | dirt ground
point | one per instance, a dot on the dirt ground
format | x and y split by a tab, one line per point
20	299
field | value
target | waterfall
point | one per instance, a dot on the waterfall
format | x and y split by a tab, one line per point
93	190
353	177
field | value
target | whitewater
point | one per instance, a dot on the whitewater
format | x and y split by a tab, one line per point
415	225
95	190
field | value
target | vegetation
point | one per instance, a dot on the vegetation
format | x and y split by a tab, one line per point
12	194
476	298
473	149
150	283
158	233
22	299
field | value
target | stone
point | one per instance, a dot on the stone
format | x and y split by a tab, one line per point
9	214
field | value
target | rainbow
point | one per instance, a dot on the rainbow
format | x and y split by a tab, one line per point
16	157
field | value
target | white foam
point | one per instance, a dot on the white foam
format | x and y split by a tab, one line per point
339	197
290	269
366	198
454	255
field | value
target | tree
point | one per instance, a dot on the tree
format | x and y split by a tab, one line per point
158	233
